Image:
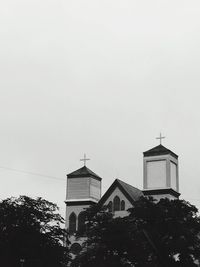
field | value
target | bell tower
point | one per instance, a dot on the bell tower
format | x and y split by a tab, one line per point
160	174
83	190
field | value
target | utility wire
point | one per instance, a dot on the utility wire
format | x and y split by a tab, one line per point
56	178
32	173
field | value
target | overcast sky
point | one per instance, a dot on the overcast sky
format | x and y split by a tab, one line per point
97	77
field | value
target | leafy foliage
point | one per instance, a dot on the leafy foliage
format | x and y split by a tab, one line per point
164	233
30	231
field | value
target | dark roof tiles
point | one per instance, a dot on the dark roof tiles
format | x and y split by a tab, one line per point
159	150
83	172
133	192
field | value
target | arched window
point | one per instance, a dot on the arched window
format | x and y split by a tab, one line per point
110	204
122	205
116	203
81	222
72	222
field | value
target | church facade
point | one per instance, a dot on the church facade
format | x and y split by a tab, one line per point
160	180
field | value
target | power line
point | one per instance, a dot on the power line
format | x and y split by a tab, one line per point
32	173
56	178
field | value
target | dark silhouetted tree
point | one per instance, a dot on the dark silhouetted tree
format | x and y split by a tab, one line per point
31	233
154	234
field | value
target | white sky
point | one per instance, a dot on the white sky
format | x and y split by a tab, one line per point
101	77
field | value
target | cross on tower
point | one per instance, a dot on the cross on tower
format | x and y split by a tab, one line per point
160	138
84	159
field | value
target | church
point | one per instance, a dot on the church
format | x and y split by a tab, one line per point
160	180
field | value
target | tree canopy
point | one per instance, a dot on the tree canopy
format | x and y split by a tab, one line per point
31	233
153	234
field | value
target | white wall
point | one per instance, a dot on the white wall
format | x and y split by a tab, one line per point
173	174
160	172
117	192
95	188
156	174
78	188
158	197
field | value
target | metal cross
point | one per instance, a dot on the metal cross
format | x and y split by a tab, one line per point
160	138
84	159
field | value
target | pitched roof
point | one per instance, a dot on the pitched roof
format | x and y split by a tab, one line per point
83	172
159	150
131	193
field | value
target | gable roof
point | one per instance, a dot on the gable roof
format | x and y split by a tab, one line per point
83	172
159	150
131	193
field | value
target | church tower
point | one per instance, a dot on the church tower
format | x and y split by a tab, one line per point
83	190
160	175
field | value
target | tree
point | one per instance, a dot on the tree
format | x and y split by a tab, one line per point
105	236
154	234
31	233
